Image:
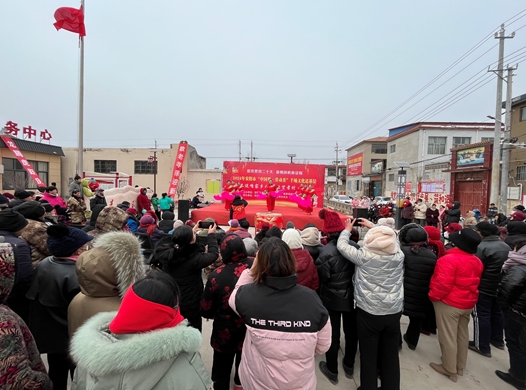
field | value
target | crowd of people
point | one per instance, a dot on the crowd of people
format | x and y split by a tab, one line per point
108	318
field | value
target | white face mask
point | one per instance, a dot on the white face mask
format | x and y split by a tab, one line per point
446	235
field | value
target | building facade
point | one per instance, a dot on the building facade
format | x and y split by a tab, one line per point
45	159
366	167
134	167
426	147
517	172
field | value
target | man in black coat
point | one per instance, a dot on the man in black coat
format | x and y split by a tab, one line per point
453	215
419	265
488	320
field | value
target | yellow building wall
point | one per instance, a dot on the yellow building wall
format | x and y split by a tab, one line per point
53	160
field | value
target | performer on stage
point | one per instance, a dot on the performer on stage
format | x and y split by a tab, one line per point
227	191
270	192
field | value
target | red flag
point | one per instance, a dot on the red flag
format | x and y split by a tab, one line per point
70	19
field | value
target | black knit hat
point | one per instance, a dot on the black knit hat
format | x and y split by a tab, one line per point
487	229
31	210
12	221
466	239
22	194
63	241
412	233
4	200
47	206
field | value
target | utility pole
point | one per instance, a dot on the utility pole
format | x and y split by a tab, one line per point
504	179
251	151
337	167
495	168
154	151
80	145
240	157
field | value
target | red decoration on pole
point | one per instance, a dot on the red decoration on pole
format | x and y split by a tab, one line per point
23	161
70	19
178	165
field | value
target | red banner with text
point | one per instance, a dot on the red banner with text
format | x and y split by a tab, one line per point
22	160
178	167
254	177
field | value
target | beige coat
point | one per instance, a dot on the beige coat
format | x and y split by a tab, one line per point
104	274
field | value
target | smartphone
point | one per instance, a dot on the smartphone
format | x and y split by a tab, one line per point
205	225
359	220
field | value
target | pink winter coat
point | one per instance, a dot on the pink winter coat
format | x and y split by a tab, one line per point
287	325
54	200
456	279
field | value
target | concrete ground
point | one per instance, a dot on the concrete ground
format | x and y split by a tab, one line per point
416	374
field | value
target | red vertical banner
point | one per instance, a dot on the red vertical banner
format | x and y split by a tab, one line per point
178	167
23	161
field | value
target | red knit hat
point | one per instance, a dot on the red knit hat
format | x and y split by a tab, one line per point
138	315
453	227
331	221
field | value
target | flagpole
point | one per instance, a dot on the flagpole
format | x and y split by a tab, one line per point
80	166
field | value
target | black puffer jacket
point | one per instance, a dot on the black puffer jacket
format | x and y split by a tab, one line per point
185	266
335	273
512	290
419	265
453	215
493	253
314	250
516	231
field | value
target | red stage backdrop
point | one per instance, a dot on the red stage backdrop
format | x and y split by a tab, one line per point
254	177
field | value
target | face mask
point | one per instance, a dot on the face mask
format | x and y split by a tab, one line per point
446	235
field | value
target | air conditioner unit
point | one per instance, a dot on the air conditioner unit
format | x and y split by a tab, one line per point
515	193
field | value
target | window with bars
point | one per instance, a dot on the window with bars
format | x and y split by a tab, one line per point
105	166
521	173
459	141
15	176
487	139
391	177
436	145
144	167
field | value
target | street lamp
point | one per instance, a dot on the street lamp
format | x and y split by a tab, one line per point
291	157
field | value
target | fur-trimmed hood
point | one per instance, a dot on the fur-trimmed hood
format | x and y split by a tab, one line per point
102	353
112	266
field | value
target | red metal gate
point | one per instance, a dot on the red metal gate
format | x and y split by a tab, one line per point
469	194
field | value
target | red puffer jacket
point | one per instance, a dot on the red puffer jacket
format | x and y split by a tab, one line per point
456	279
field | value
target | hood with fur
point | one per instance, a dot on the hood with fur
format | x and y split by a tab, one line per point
112	266
102	353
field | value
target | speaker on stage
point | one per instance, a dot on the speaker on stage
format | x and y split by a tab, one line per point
360	213
183	210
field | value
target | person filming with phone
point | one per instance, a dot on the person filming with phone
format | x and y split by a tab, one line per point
183	259
379	297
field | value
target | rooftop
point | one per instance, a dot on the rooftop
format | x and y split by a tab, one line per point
369	140
36	147
400	131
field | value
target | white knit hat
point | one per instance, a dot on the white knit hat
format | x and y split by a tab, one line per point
381	240
292	238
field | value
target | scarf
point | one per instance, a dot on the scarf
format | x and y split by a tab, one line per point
150	228
515	258
438	245
415	246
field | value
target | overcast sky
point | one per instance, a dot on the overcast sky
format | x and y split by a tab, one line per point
292	76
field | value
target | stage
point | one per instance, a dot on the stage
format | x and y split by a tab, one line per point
290	212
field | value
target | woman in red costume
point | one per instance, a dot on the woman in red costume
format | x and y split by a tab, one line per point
310	195
271	200
228	188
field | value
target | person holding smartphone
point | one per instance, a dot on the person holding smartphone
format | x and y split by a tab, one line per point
184	259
